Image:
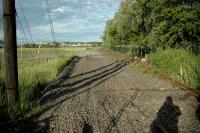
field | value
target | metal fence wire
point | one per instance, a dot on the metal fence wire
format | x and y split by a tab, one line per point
140	52
135	51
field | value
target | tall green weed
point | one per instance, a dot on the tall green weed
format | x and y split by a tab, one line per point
179	64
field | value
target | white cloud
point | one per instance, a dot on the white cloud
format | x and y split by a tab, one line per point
62	9
72	19
75	1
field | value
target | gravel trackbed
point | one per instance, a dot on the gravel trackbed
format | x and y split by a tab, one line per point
104	94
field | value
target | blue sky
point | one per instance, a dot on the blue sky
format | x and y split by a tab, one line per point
74	20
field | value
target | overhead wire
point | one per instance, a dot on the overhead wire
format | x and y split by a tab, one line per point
27	24
1	28
21	43
1	23
23	34
2	39
51	24
21	28
50	20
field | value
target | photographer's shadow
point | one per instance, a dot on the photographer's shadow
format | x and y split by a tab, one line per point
167	118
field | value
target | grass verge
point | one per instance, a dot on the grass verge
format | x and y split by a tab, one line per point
34	75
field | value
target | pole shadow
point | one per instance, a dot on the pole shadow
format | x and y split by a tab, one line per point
29	125
79	86
198	113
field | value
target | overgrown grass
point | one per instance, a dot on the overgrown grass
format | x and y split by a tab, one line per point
34	75
179	64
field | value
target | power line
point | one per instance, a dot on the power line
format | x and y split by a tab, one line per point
1	27
1	22
21	27
22	32
26	20
50	20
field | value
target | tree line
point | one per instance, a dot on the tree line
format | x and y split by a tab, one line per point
155	23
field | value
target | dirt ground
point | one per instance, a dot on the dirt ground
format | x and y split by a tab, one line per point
104	95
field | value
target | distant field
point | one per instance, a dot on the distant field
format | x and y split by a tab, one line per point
36	69
42	62
31	57
44	53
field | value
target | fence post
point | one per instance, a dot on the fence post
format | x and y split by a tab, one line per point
38	52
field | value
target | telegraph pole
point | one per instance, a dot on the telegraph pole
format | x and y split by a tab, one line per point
11	68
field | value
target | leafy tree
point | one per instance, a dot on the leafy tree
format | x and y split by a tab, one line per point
111	35
176	24
168	23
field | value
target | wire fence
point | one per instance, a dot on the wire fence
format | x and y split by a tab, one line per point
135	51
140	52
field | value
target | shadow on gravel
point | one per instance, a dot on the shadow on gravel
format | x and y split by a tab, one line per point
167	118
66	76
91	71
198	110
114	119
63	76
26	126
198	113
87	128
83	84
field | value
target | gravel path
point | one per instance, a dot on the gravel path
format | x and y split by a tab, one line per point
105	95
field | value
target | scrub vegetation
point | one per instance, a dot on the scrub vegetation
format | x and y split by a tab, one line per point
36	71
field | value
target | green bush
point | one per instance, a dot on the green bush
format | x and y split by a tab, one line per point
179	64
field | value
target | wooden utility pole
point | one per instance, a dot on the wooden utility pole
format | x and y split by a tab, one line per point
11	69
